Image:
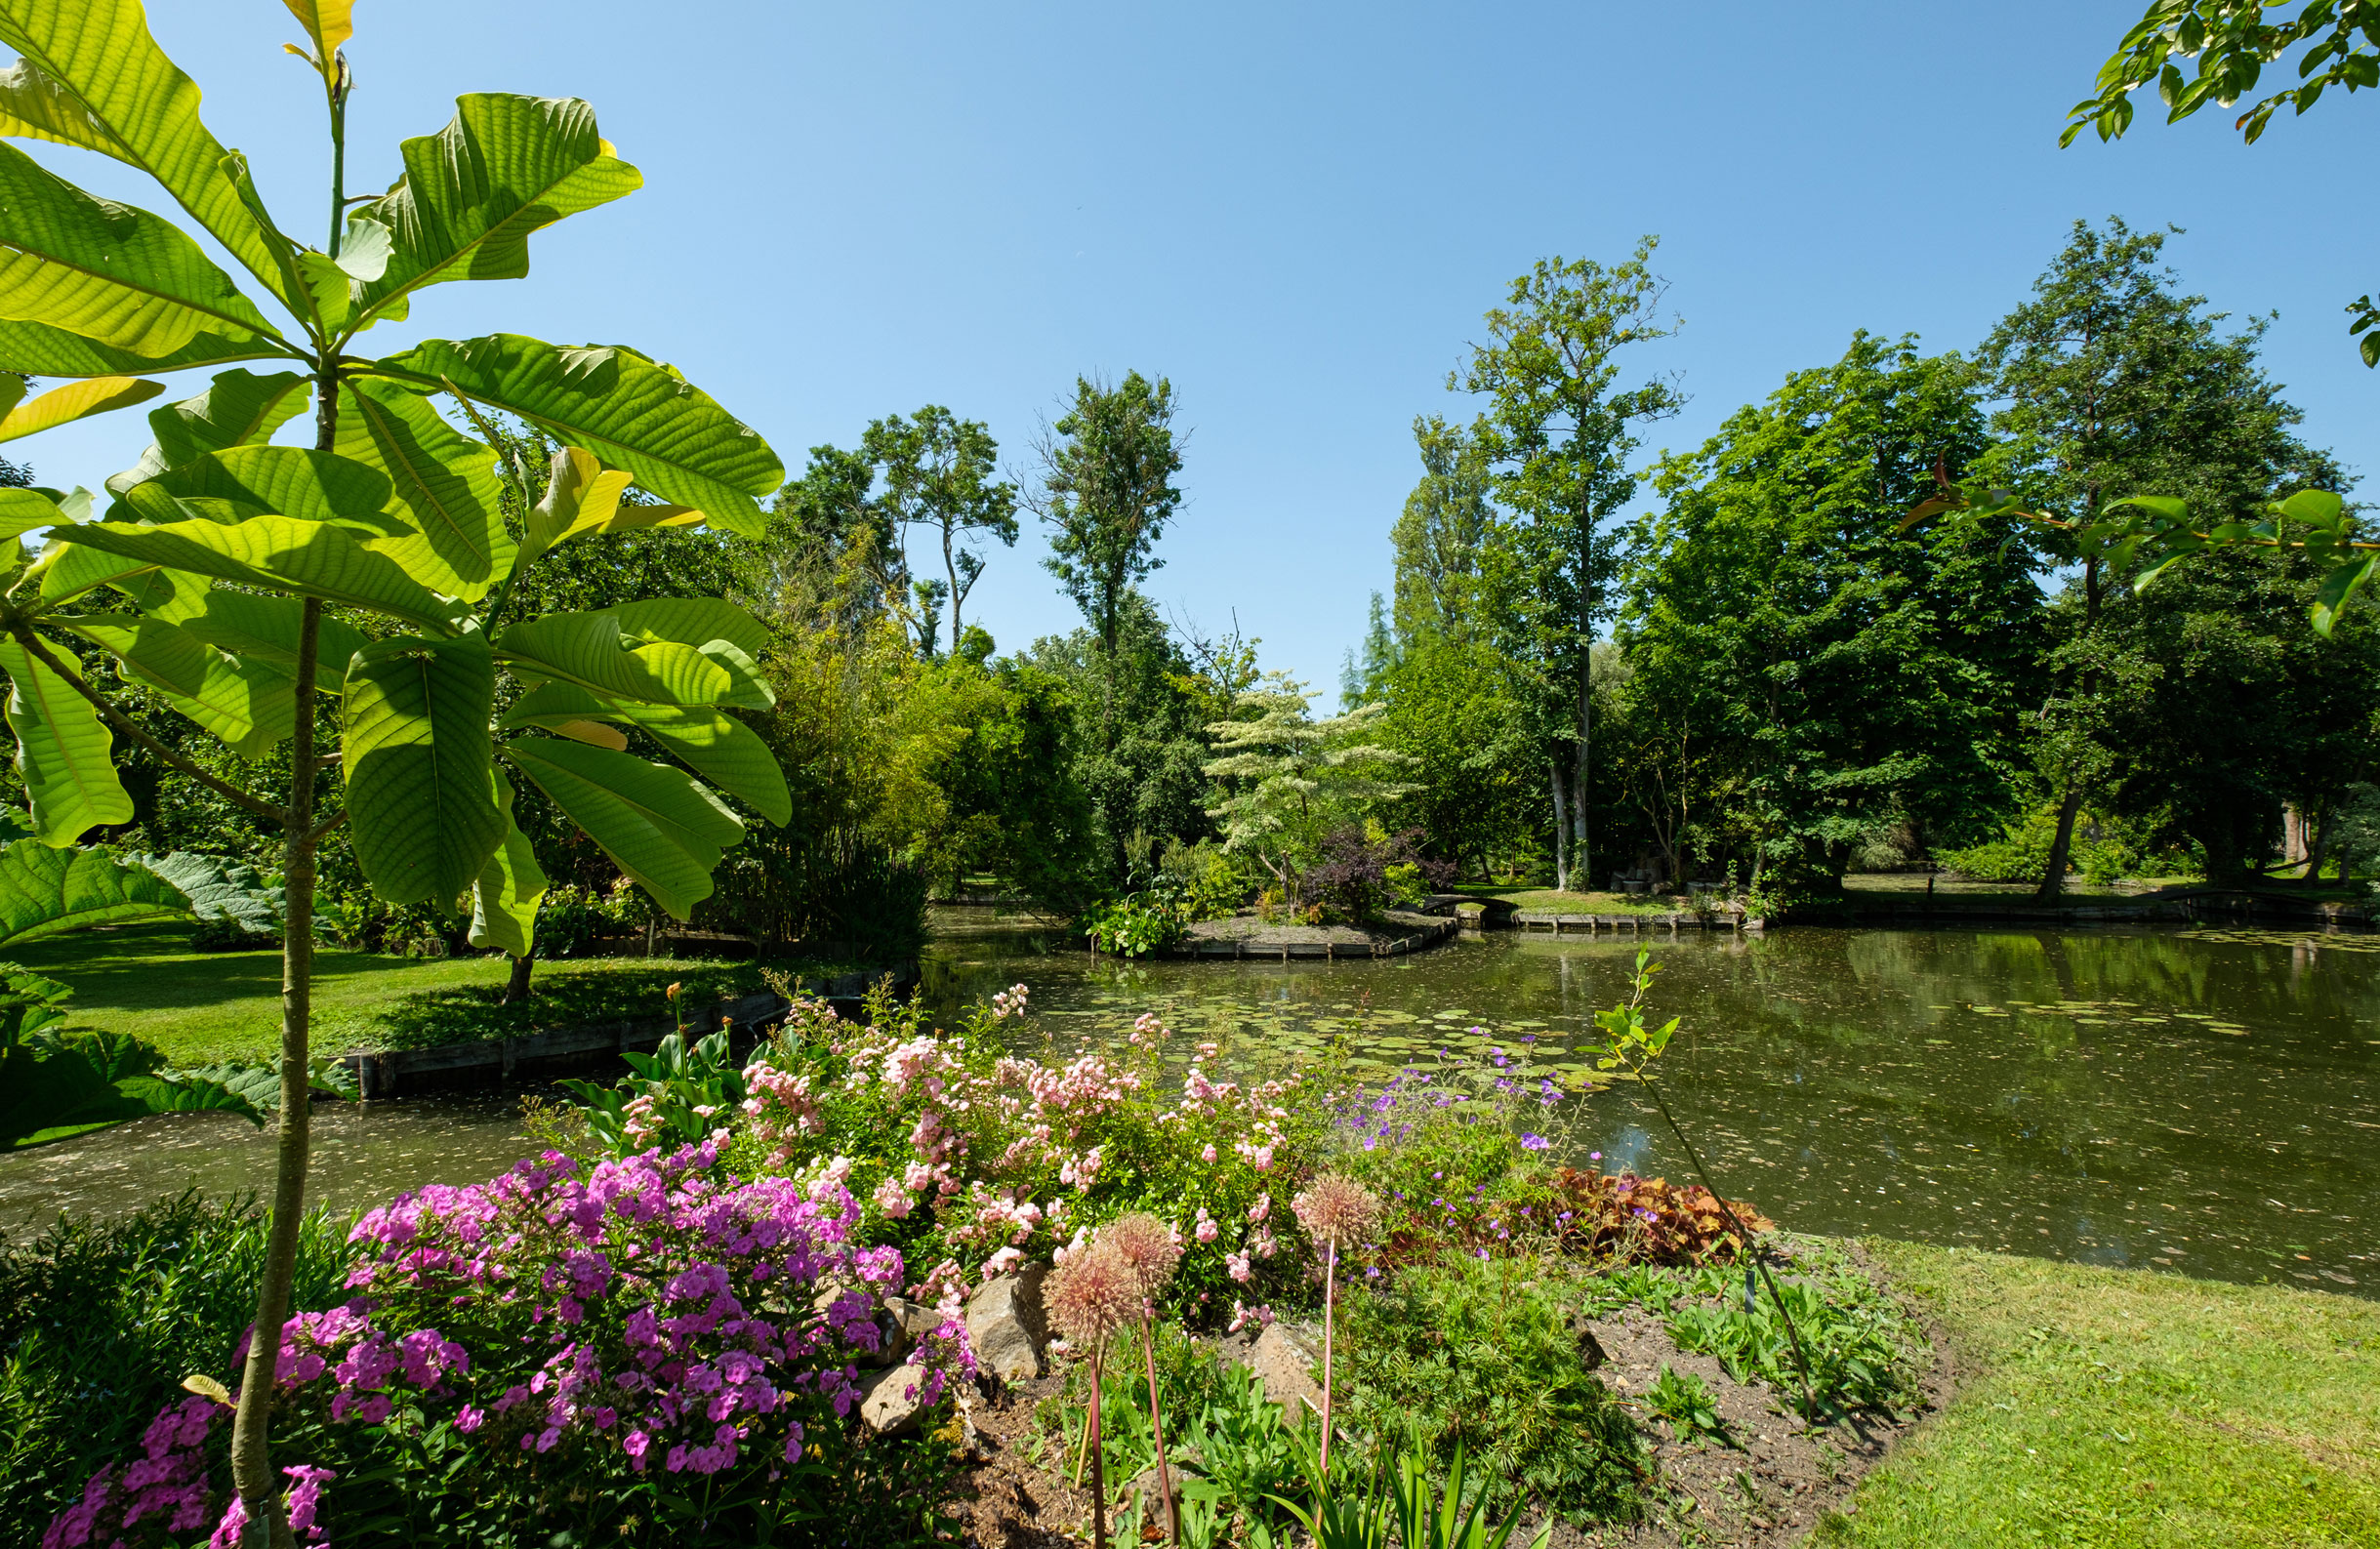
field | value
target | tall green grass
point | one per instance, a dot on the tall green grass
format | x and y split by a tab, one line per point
100	1322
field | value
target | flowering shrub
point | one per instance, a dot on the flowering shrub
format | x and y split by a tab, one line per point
564	1348
972	1159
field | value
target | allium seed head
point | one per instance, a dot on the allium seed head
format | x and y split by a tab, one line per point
1335	1208
1147	1245
1092	1294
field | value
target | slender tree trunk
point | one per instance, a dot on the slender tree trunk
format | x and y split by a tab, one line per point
1561	832
2061	848
950	564
516	986
252	1472
251	1460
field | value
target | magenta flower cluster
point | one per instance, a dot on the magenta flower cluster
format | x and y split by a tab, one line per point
644	1315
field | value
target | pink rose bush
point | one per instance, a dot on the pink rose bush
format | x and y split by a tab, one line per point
548	1341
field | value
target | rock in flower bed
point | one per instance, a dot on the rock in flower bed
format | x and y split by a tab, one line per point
788	1301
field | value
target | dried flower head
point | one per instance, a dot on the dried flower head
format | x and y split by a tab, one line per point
1147	1245
1092	1294
1335	1208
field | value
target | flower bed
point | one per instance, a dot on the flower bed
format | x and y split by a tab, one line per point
661	1331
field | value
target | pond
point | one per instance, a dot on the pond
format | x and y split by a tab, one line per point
2203	1101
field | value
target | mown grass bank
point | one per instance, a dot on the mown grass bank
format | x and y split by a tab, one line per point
203	1006
2112	1408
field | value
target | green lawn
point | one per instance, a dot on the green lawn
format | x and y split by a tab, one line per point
2115	1407
202	1007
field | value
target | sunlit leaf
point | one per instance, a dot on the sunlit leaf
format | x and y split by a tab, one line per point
328	24
76	401
657	824
240	408
510	886
138	107
45	891
421	788
281	554
720	748
444	481
630	412
473	194
107	272
63	752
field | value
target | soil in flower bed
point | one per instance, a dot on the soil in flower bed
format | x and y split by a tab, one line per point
1767	1484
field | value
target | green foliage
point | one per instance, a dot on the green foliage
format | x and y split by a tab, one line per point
100	1322
1107	493
1478	1354
1687	1403
46	890
1800	669
1137	923
670	1098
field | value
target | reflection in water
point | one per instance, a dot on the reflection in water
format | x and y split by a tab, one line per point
362	1154
2201	1100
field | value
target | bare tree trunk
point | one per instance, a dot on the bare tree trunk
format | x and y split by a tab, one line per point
2061	848
1561	832
252	1472
516	986
251	1460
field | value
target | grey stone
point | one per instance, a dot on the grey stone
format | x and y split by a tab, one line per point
905	1325
1283	1361
1007	1326
891	1401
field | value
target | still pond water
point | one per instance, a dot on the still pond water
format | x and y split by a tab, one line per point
2205	1101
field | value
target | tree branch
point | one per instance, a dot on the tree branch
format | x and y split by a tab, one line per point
40	652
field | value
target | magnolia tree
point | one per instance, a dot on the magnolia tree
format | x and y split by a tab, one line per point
242	582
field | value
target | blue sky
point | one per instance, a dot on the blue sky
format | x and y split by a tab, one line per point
1297	213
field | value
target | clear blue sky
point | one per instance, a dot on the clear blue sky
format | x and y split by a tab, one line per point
1297	213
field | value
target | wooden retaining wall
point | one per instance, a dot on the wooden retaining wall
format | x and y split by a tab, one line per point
1632	923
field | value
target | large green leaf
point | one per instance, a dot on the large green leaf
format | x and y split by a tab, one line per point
281	554
63	752
587	649
76	401
138	107
44	891
420	780
108	272
444	480
252	626
39	350
287	481
693	621
246	706
33	106
222	889
721	749
657	824
24	510
510	886
240	408
623	408
472	192
163	654
66	569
